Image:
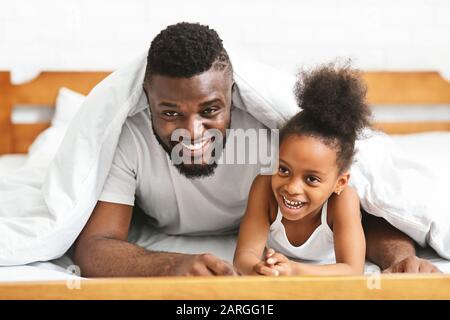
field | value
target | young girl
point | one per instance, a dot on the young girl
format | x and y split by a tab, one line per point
306	211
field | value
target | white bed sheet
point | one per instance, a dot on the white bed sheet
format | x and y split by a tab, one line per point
38	271
434	148
10	162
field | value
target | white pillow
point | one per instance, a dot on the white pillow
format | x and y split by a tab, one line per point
67	105
68	102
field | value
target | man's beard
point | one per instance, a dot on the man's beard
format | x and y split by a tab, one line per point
193	170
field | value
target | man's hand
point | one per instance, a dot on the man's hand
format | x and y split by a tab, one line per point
200	265
391	249
412	264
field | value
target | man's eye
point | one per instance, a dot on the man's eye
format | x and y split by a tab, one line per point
170	114
312	180
283	171
209	111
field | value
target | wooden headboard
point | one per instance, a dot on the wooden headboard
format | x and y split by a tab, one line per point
385	88
42	91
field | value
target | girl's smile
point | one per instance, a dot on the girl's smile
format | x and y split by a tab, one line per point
292	208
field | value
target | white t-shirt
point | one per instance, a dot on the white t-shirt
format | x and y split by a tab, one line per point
142	171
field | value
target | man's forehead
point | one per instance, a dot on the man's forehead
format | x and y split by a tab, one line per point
204	84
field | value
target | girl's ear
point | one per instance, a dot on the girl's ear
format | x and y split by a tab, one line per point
342	182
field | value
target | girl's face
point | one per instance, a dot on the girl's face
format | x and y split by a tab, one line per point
307	176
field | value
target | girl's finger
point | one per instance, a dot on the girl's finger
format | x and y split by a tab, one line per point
278	257
269	253
281	269
265	270
269	271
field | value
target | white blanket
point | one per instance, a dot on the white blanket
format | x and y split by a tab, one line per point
43	208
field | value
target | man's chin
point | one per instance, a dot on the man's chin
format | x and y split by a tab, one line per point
193	171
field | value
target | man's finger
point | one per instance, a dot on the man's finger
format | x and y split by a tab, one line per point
425	268
428	267
388	270
222	268
392	269
435	270
217	266
199	269
411	266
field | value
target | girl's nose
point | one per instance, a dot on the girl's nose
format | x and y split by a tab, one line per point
294	188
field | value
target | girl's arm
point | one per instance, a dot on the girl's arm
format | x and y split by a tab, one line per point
349	241
254	230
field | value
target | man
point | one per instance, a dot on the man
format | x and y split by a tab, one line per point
189	86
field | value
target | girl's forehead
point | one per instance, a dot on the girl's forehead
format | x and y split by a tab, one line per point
307	153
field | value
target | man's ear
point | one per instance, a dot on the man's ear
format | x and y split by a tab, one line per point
342	182
145	88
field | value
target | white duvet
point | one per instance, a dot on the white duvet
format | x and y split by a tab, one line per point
45	204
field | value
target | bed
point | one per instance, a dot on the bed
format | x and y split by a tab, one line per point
413	107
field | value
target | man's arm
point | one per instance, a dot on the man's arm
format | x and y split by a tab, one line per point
102	250
391	249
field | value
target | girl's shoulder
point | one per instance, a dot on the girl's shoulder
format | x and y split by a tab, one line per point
342	206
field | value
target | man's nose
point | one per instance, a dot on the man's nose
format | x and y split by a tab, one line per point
196	128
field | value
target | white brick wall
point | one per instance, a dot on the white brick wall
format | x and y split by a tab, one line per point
104	34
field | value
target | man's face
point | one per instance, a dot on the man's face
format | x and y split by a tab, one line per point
196	105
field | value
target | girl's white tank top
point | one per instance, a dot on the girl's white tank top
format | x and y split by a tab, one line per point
318	247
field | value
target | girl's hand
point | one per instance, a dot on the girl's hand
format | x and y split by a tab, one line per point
279	262
265	270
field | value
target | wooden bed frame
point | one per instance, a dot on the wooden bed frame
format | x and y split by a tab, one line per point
398	286
385	88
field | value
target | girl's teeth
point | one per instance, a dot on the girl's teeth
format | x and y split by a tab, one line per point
292	204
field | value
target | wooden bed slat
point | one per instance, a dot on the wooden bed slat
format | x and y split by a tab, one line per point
44	89
411	127
6	141
238	288
406	88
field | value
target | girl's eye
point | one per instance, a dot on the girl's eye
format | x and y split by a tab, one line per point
312	180
283	171
170	114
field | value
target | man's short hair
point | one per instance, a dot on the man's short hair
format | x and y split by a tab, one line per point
184	50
